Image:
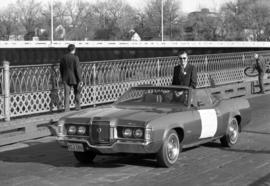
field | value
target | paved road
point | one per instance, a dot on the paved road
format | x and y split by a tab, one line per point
43	162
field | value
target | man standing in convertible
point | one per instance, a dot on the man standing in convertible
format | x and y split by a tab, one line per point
184	74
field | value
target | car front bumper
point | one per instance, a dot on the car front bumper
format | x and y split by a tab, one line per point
118	146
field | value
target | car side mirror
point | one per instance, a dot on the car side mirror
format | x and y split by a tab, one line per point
193	106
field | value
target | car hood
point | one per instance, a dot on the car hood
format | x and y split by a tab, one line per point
111	112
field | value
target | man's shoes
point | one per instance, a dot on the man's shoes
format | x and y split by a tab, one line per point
78	108
261	92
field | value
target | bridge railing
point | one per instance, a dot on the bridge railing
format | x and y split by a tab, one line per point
38	89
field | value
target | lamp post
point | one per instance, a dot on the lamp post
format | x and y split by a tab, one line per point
162	29
51	22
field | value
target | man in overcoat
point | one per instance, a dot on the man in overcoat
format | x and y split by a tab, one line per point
71	76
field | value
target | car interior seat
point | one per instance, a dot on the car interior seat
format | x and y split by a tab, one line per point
153	98
150	98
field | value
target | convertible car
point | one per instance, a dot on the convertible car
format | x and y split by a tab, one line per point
154	120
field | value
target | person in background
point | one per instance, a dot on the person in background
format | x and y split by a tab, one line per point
134	36
184	74
71	76
260	66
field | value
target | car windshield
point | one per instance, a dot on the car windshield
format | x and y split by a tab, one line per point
152	96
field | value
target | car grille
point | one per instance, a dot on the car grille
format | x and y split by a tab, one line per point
100	132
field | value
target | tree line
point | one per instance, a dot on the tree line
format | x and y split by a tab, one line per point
239	20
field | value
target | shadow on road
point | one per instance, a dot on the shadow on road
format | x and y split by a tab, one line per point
262	181
51	154
256	132
251	151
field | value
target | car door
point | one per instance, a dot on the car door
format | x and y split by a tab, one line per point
209	114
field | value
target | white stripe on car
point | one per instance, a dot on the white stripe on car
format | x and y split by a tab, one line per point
208	122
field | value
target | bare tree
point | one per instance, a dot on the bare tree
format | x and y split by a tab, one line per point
246	20
29	12
9	23
171	18
115	17
77	14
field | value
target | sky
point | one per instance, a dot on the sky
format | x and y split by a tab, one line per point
187	5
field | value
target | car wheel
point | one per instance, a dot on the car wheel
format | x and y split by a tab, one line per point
169	152
232	134
84	157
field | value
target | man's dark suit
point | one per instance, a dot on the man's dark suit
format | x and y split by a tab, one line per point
70	69
261	68
71	76
185	77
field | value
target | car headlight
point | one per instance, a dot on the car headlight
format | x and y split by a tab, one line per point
138	133
81	130
72	130
127	132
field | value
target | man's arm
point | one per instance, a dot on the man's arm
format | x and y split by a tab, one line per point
78	70
254	67
174	80
193	81
61	68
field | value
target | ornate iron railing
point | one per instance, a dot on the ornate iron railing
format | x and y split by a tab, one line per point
33	78
37	88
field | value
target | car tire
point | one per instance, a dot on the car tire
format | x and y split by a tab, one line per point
232	134
170	150
85	157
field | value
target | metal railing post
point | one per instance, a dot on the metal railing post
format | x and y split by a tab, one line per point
94	84
207	74
158	72
6	87
206	63
243	60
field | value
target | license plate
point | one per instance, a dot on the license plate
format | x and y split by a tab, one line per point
77	147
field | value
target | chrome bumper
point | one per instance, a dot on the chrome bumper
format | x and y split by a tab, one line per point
119	146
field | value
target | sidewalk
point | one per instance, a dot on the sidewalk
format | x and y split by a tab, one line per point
22	129
18	130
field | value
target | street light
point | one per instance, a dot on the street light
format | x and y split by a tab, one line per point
51	21
162	36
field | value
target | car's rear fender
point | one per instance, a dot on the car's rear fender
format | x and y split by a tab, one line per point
238	108
235	114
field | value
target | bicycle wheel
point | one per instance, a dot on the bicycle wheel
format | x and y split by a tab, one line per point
250	72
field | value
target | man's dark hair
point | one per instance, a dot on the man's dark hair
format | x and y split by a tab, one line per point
71	47
182	52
